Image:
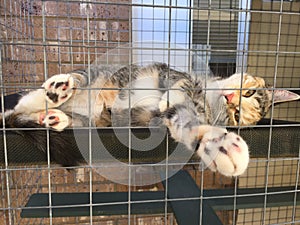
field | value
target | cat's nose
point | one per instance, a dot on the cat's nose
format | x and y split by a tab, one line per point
229	97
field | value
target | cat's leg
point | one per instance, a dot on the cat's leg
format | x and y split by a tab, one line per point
54	92
52	118
219	149
34	101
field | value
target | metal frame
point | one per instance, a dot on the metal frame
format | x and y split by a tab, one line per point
181	195
183	199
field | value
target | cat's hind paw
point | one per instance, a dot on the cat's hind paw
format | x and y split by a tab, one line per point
224	152
55	119
59	88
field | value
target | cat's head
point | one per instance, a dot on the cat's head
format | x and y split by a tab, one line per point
255	97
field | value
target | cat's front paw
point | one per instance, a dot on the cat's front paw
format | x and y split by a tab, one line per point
59	88
55	119
224	152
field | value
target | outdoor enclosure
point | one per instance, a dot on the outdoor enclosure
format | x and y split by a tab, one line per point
46	37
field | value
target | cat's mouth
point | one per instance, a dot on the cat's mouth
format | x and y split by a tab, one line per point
233	115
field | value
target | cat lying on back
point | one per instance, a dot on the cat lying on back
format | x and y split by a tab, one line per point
190	110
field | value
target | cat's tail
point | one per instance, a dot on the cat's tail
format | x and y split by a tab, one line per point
62	147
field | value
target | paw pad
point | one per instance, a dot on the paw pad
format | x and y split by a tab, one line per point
227	153
59	89
55	119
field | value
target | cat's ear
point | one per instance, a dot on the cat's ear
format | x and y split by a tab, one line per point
284	96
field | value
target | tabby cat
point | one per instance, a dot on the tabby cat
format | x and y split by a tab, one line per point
190	106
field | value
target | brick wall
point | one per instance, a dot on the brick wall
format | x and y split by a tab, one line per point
67	35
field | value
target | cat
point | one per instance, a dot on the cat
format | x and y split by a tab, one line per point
194	109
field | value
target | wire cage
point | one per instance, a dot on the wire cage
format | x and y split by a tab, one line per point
43	38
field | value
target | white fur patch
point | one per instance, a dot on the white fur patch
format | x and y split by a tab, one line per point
32	102
143	93
171	98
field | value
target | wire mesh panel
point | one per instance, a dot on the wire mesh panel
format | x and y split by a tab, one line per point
43	38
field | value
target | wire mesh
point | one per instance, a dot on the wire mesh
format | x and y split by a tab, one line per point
42	38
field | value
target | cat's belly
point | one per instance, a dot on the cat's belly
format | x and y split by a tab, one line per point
83	103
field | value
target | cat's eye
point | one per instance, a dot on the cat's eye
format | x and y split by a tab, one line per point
237	115
249	93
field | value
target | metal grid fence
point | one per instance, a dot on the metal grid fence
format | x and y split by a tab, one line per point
42	38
